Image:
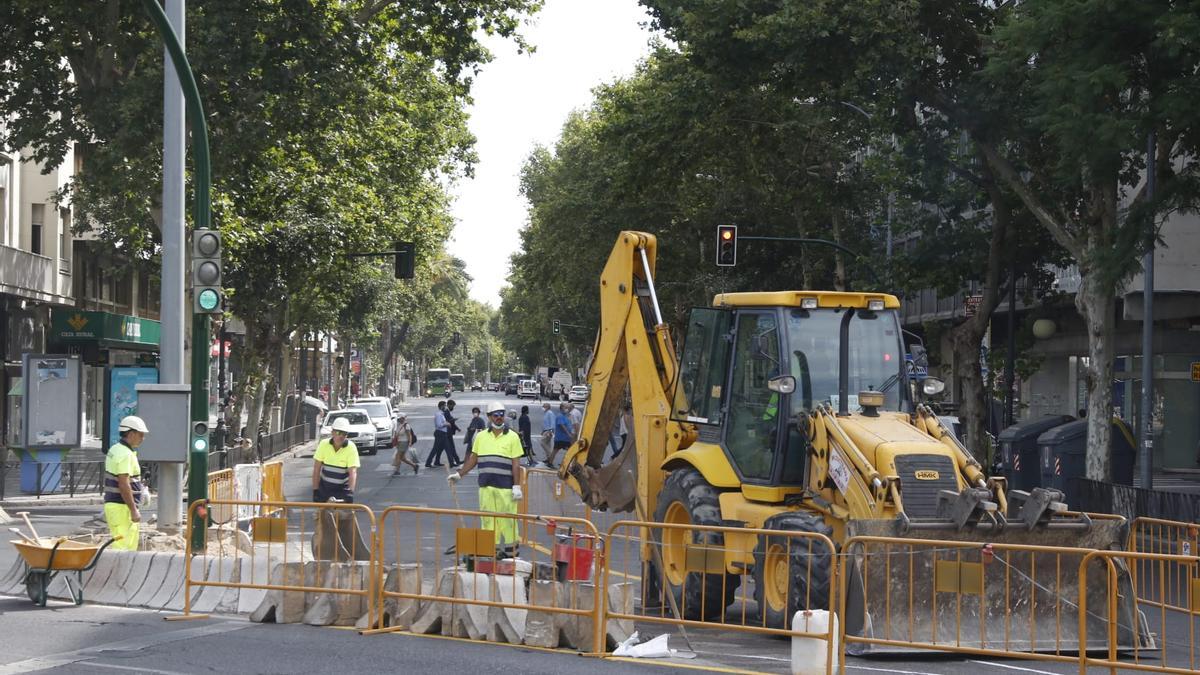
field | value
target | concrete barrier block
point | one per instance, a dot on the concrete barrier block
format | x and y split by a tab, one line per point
544	629
403	578
96	576
229	598
286	606
467	620
112	591
256	570
207	598
580	630
428	618
340	609
156	576
507	624
170	594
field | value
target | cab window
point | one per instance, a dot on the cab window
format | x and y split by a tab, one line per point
753	409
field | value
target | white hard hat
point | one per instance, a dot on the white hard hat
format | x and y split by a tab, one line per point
495	406
341	424
133	423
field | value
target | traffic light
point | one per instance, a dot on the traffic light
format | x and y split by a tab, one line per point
557	327
406	259
200	437
726	245
206	272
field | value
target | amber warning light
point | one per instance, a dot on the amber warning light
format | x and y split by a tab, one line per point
726	245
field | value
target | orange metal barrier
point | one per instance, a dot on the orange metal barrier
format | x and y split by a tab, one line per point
306	548
272	484
222	488
1019	601
719	577
1159	582
1176	628
549	496
441	567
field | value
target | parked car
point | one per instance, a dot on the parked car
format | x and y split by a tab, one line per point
362	429
579	394
380	410
529	389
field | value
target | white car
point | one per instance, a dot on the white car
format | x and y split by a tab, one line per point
380	410
362	429
579	394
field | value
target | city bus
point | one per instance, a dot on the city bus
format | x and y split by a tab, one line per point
458	381
437	381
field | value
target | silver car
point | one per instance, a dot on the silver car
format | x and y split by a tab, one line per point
380	410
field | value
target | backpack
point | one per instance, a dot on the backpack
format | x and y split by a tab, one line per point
412	437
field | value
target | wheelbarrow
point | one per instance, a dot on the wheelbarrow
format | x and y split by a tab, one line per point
45	560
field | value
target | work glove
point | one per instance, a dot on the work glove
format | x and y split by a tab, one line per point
517	493
453	478
144	499
316	495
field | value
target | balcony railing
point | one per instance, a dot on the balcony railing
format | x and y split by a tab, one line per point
32	276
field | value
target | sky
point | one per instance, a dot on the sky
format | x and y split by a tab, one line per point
522	100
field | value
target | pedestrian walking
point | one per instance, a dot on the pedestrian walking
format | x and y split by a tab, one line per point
525	429
497	453
123	489
564	433
439	437
476	425
547	431
403	439
451	429
576	417
335	465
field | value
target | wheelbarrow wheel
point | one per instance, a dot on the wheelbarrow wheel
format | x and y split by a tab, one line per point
35	586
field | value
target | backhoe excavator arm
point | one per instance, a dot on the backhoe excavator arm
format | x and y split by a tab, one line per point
633	347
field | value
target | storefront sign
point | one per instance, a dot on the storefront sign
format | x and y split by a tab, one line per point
114	330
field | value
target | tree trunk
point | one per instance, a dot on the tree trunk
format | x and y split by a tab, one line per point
1098	306
255	386
839	261
286	388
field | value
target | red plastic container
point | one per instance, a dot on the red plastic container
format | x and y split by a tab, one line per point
575	555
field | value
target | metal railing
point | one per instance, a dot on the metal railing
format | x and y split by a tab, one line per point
72	478
1168	580
270	445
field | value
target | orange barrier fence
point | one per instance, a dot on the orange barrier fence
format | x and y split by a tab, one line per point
1020	601
727	578
452	570
1158	581
549	496
222	488
305	550
272	483
1177	630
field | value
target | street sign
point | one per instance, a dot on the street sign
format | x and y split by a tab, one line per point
971	304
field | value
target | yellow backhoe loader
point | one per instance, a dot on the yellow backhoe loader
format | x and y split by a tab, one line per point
793	410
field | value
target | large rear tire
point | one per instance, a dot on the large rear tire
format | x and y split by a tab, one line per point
686	498
792	573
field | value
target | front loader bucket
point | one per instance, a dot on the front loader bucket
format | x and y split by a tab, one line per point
1011	591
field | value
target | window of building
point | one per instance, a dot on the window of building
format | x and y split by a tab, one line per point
4	195
37	222
64	236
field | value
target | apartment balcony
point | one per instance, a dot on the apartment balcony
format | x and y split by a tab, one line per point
34	277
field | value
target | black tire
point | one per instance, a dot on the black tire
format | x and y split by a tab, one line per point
35	587
700	597
809	561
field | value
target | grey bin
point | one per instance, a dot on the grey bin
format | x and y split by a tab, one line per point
1018	458
1063	457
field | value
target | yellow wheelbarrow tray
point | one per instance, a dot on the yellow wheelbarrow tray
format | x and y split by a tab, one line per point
45	559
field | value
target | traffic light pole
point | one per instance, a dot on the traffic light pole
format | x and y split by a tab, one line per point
169	512
198	452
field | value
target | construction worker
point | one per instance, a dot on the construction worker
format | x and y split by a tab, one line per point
123	484
498	453
335	465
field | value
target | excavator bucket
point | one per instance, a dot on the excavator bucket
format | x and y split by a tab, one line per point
1013	590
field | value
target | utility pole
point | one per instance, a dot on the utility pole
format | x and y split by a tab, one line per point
1146	419
170	488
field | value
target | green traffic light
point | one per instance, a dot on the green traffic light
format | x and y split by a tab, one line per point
200	444
209	299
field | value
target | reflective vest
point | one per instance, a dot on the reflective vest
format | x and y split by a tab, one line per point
121	459
336	464
495	454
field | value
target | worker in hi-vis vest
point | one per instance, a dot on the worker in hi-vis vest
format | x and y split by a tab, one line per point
123	484
335	465
497	452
